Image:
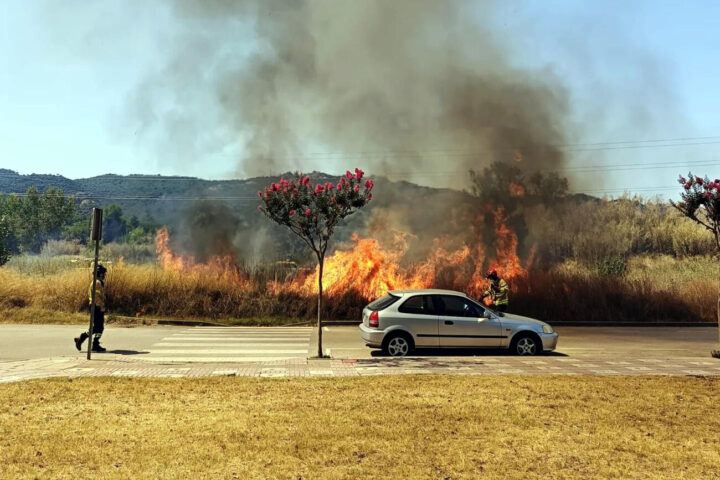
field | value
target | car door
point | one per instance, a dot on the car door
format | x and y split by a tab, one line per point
417	313
461	323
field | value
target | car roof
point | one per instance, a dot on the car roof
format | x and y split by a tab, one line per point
426	291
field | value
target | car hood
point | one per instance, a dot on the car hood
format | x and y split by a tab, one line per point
509	317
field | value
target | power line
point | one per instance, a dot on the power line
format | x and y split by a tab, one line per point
577	169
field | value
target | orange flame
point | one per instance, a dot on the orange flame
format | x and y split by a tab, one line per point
371	269
516	190
222	266
167	259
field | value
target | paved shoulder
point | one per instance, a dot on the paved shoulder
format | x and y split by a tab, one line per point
232	344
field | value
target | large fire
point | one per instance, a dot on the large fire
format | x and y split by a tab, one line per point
371	269
224	266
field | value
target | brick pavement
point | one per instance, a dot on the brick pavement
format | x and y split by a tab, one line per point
117	366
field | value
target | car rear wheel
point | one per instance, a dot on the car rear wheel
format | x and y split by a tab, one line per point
525	345
398	345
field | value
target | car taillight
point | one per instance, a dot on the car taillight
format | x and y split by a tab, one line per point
374	320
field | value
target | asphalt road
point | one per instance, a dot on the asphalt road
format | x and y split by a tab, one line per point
22	342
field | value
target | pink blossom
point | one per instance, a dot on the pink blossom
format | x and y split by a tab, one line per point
314	219
359	173
342	180
687	186
339	186
329	186
260	207
369	184
318	189
717	181
291	212
707	195
308	211
259	194
699	180
349	175
369	196
682	180
306	180
357	188
274	187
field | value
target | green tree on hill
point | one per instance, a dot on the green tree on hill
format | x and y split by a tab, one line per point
35	217
4	235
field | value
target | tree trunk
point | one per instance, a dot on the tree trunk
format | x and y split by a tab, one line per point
716	353
321	261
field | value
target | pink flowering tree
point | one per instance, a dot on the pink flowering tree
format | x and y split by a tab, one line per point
313	211
701	204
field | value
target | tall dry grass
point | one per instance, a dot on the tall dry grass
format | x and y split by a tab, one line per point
652	289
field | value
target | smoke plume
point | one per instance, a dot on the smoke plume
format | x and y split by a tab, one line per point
414	89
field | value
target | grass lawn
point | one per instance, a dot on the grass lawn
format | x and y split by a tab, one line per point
403	427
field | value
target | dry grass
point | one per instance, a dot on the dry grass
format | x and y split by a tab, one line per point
383	427
652	289
42	316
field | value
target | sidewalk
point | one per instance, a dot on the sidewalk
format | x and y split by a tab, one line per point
115	365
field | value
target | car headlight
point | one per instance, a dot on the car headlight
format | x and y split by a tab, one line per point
547	329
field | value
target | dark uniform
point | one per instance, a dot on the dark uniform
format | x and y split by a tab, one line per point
99	315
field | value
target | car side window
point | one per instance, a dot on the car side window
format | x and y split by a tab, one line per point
419	304
459	307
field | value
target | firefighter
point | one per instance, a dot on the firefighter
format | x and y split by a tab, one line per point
499	292
99	317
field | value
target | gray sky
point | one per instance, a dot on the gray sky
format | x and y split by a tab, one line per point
73	73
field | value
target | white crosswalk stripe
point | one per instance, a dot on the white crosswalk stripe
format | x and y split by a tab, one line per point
232	344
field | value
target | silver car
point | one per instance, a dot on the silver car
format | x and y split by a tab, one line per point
407	319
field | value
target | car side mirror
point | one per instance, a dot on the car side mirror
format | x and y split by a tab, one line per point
486	314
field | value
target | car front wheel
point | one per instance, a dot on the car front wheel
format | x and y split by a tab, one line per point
398	346
525	345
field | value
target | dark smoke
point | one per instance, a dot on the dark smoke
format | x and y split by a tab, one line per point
211	229
413	89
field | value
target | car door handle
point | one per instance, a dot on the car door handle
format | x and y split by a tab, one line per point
449	322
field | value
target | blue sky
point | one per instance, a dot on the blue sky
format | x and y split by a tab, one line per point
636	71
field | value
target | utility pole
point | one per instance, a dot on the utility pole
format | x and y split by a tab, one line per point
96	236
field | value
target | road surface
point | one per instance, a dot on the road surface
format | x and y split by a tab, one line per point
247	344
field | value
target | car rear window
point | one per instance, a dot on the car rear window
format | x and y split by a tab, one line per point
383	303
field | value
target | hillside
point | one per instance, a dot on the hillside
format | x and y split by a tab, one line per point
196	209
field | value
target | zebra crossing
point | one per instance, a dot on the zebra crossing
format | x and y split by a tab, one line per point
232	344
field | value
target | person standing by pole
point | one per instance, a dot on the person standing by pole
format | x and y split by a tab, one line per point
98	315
97	291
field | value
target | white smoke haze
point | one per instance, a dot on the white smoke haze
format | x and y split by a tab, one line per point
413	89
